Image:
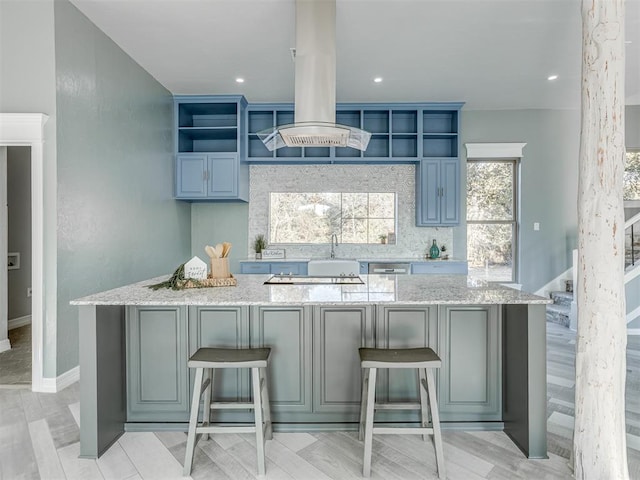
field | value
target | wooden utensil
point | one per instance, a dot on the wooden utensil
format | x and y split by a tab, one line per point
211	251
218	249
226	248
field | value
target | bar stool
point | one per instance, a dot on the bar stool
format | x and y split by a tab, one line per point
422	359
210	359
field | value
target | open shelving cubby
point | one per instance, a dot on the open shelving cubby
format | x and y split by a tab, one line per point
440	133
207	127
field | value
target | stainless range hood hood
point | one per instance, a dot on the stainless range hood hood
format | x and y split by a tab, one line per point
315	85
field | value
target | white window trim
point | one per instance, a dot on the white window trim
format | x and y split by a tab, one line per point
497	151
494	150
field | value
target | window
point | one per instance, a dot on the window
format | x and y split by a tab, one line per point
632	176
314	217
492	219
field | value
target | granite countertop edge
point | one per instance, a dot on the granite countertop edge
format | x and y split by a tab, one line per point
377	289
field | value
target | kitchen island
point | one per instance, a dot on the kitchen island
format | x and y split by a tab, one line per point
135	342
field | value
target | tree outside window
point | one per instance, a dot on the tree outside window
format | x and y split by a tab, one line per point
491	219
631	189
307	218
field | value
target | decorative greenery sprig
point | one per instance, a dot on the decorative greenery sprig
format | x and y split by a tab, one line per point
176	281
172	283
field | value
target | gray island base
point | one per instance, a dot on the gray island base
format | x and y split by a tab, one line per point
135	343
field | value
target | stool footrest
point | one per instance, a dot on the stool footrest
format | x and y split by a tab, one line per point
403	430
231	429
232	405
397	406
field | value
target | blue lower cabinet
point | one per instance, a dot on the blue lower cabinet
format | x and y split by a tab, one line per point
274	268
364	268
255	267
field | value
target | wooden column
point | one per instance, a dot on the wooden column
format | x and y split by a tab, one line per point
599	436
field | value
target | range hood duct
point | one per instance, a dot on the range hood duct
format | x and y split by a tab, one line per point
315	85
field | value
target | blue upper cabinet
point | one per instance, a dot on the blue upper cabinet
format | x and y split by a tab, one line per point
438	171
437	192
400	133
210	143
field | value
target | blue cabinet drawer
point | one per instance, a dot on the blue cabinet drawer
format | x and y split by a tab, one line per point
254	268
440	267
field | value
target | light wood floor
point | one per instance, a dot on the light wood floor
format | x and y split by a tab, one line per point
39	438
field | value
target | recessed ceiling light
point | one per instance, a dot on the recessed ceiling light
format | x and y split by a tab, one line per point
239	80
552	77
378	80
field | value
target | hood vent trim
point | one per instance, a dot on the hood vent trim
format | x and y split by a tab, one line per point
315	86
314	134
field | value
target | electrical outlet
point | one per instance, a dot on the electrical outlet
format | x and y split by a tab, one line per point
29	291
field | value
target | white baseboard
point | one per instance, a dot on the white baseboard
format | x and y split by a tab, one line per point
5	345
54	385
19	322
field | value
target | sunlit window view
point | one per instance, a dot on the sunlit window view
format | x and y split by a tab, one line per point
315	217
632	176
491	219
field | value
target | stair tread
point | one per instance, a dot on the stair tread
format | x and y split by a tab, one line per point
563	309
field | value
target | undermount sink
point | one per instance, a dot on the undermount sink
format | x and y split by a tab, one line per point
333	266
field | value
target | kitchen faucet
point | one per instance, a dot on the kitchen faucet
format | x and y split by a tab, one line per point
334	243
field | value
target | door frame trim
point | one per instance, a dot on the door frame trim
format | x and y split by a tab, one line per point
27	129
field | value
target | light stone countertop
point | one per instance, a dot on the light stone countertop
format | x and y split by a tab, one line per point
377	289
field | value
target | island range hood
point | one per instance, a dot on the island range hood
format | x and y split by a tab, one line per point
315	86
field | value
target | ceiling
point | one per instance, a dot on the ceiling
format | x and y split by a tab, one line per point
491	54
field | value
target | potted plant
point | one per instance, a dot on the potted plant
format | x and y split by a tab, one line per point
259	244
383	238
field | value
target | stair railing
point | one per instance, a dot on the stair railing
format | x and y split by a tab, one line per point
632	242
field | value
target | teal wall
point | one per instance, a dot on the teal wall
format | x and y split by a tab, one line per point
117	220
548	183
213	223
28	85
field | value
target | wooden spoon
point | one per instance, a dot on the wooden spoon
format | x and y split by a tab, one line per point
218	249
226	247
211	251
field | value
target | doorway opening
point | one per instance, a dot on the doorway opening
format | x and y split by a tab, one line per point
15	317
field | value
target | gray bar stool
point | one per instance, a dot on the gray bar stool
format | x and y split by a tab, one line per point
209	359
422	359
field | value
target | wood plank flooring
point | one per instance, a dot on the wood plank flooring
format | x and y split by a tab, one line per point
39	438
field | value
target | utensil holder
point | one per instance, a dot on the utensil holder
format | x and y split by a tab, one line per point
220	268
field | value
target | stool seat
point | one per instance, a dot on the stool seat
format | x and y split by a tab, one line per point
230	358
206	361
399	358
423	360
